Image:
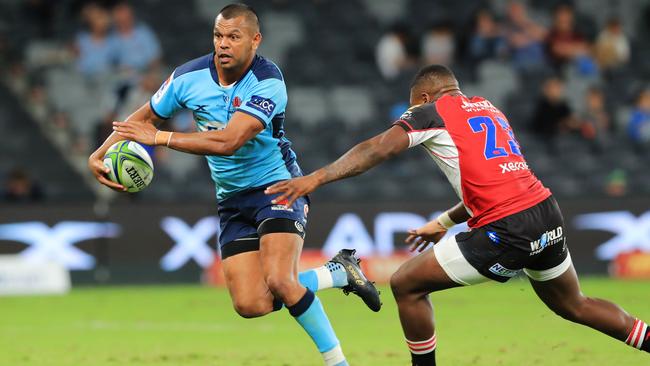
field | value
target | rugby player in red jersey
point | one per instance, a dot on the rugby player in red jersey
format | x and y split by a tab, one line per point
515	223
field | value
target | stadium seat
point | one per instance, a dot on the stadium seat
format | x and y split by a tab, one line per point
281	31
307	105
352	105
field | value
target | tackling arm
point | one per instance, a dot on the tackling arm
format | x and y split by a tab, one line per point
364	156
356	161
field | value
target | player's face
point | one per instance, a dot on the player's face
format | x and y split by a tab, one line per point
235	42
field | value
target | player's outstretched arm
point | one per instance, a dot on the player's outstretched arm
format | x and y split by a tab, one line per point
241	128
95	161
357	160
434	230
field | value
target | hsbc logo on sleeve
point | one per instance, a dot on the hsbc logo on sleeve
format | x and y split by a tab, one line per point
266	106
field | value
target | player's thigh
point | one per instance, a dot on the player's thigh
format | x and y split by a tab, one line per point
281	230
245	281
554	279
280	249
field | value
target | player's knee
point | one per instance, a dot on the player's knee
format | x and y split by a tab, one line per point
252	309
398	285
280	285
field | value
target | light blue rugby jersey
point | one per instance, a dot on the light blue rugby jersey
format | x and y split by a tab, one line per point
261	93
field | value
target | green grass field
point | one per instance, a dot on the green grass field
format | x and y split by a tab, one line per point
190	325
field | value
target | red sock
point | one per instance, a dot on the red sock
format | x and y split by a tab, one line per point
423	353
639	337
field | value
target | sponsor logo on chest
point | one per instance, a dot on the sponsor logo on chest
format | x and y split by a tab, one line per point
513	167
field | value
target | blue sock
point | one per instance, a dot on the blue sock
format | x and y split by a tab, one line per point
310	314
309	279
327	276
339	276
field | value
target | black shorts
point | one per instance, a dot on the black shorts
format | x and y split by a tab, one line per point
531	240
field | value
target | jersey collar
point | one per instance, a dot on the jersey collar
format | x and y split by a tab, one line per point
215	75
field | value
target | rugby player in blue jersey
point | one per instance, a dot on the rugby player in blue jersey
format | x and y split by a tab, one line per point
238	100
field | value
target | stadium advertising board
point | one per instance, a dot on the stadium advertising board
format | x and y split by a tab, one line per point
155	243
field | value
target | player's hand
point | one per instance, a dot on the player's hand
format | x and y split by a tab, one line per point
420	238
142	132
292	189
96	166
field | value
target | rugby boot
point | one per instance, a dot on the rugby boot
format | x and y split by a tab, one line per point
358	284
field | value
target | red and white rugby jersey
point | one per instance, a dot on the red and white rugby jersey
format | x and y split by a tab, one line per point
473	144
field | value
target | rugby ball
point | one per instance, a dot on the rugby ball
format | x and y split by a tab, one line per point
130	165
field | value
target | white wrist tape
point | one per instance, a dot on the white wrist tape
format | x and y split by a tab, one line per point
445	220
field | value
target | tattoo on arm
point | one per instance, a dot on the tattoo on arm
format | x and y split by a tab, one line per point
356	161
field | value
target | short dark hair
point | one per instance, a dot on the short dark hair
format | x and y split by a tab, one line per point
433	74
238	9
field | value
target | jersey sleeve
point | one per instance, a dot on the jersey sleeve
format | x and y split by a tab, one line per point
265	100
165	102
421	123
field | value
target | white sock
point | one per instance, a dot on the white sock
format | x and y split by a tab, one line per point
334	357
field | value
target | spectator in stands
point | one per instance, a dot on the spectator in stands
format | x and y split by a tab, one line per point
138	48
438	45
639	125
95	48
392	52
487	40
595	119
553	115
525	38
612	46
564	43
19	187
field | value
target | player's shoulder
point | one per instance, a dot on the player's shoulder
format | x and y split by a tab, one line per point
264	69
423	116
197	64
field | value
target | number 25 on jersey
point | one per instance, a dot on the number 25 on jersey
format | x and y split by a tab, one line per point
487	125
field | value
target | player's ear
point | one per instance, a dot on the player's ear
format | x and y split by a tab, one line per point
257	39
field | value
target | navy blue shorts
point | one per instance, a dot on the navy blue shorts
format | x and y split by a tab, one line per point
242	215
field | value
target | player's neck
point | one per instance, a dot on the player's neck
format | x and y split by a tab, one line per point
231	76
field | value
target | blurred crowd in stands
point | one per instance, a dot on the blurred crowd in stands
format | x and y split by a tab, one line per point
530	47
570	80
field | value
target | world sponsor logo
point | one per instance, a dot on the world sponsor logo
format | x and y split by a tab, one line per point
513	167
548	238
